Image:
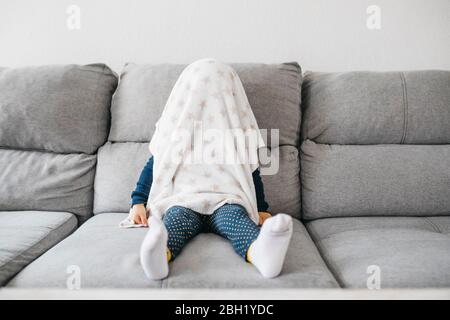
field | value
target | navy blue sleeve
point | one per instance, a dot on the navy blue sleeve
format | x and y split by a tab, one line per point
259	189
140	194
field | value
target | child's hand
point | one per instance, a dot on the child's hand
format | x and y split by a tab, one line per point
139	214
263	216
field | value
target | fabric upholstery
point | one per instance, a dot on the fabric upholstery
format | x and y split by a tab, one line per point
407	180
409	252
377	107
273	91
59	108
208	261
119	166
35	180
25	235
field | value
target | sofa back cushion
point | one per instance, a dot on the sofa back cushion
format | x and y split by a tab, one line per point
52	121
377	107
376	143
273	91
274	94
61	109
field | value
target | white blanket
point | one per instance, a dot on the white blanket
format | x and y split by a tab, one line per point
205	143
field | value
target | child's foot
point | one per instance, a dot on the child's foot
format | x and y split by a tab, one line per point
268	251
154	250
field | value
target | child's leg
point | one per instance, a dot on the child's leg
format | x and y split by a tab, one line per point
165	239
269	250
232	222
265	248
182	225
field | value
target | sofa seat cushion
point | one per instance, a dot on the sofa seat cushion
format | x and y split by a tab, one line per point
25	235
210	262
109	257
406	251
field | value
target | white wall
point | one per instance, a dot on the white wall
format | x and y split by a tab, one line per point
322	35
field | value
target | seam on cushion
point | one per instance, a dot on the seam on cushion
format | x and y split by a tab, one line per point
405	108
435	226
329	264
7	148
40	240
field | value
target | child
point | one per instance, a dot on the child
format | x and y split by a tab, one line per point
200	180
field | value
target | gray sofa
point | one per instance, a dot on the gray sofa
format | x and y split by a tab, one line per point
373	189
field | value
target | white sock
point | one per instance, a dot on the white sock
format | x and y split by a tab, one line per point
268	251
154	250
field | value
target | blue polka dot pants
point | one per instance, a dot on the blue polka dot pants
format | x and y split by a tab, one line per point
230	221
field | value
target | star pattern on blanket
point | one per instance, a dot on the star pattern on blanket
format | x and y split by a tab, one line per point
160	208
205	204
230	92
202	104
181	153
190	116
217	95
207	174
223	112
165	194
206	80
234	184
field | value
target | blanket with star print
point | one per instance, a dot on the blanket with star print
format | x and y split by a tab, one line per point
205	143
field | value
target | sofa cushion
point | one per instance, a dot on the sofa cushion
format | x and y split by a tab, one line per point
109	257
273	91
408	180
59	108
120	164
282	186
25	235
210	262
105	255
377	107
408	252
35	180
